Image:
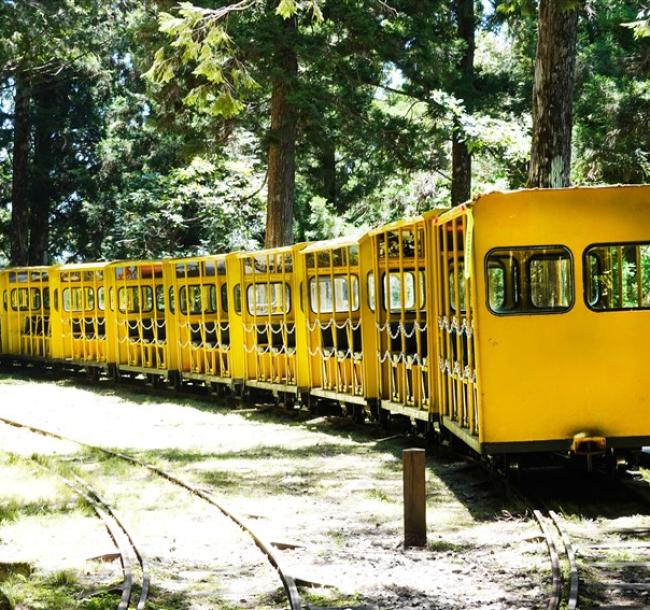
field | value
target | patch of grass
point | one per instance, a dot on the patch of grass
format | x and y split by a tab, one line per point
330	598
382	496
444	546
220	479
62	591
259	452
12	510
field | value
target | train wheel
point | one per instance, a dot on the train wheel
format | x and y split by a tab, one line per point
176	381
358	414
383	418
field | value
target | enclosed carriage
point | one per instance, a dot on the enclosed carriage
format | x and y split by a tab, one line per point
207	342
398	289
340	330
266	292
139	302
25	331
543	318
82	323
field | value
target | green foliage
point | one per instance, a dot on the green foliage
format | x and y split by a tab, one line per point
174	163
641	26
612	133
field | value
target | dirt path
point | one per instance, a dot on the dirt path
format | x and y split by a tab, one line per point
331	488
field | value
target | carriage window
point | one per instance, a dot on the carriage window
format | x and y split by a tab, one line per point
460	274
224	297
324	299
236	294
497	286
549	276
202	299
370	279
20	299
72	299
546	288
617	276
268	298
396	298
36	298
90	299
135	300
172	300
160	298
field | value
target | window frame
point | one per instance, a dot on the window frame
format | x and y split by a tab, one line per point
206	287
344	276
140	288
585	270
416	274
288	299
526	298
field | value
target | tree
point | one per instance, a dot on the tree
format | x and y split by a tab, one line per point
221	75
550	158
46	51
461	170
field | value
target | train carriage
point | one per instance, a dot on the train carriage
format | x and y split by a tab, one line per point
340	330
543	306
402	306
25	331
267	291
208	341
139	302
82	325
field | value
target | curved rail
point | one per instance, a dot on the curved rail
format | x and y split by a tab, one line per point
288	582
112	524
574	579
554	601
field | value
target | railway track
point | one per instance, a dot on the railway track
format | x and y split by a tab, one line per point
600	560
131	560
119	533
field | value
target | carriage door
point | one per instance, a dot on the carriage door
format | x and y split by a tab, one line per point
456	323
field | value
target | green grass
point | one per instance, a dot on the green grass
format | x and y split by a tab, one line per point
330	598
63	591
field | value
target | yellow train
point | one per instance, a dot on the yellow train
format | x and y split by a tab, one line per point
515	323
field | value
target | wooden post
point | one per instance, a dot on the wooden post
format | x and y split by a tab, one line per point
415	509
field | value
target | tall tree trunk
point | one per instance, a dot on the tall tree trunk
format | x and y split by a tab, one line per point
46	103
461	159
282	141
550	157
20	174
328	174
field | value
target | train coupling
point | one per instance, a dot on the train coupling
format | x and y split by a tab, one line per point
588	445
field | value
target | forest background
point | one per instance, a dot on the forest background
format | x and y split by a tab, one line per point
143	128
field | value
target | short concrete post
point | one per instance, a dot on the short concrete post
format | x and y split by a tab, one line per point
415	508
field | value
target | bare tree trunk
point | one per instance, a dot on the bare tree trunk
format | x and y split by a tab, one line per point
328	175
46	104
20	175
550	157
461	159
282	142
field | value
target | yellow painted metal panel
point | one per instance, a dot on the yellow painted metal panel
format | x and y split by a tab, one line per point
546	377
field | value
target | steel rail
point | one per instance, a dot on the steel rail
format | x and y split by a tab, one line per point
573	564
556	584
288	581
144	590
111	523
